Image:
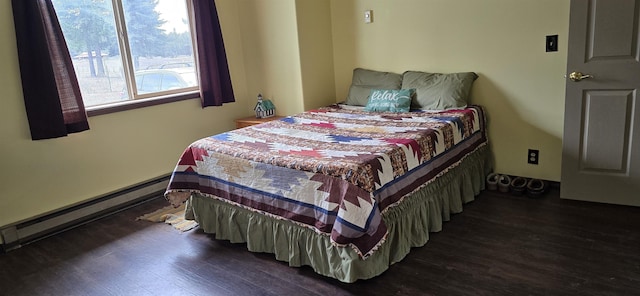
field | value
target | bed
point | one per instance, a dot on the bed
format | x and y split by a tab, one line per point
346	191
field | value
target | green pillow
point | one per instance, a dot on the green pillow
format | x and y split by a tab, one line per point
436	91
389	100
364	81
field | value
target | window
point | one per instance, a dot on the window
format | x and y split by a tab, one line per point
153	58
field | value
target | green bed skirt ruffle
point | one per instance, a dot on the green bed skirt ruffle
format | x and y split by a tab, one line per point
408	224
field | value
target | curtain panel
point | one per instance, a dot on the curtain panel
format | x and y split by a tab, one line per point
51	92
213	69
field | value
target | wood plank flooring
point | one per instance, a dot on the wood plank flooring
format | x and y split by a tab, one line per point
499	245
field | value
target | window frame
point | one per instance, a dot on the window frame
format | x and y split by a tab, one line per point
140	103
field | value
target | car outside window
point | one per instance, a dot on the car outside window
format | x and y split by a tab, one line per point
169	81
162	80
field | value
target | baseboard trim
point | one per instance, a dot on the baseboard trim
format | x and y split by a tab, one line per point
21	233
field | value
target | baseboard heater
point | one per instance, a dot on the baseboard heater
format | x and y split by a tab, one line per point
16	235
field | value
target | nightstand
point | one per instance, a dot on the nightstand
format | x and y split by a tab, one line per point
252	120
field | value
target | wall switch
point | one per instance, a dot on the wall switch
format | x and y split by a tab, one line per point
552	43
368	16
533	156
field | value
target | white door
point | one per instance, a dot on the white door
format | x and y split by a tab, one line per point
601	142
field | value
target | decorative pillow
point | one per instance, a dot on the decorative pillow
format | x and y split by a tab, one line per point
436	91
389	100
364	81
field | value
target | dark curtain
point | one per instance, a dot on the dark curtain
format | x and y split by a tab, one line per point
51	92
215	81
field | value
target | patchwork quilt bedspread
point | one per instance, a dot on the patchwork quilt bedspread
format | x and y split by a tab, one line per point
333	170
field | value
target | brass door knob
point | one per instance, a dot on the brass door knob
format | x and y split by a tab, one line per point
577	76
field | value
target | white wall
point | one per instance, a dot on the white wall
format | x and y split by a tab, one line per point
521	85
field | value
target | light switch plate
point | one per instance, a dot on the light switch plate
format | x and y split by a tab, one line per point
551	43
368	16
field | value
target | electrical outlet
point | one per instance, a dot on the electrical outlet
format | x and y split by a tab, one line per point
533	156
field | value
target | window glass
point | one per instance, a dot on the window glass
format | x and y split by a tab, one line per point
158	41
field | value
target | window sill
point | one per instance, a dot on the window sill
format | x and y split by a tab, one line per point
141	103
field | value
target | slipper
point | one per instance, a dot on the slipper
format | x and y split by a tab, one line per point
503	183
492	181
518	185
536	187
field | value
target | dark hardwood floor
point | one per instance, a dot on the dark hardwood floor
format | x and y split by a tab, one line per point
499	245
